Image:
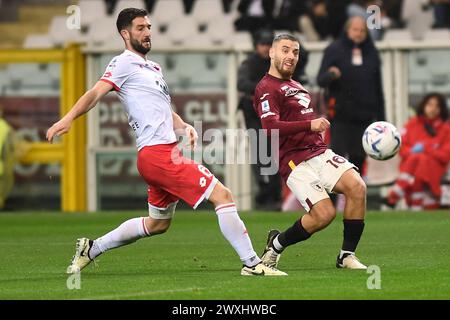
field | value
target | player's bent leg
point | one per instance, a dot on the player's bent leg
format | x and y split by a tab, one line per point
235	232
305	185
159	219
354	189
128	232
220	195
87	250
319	217
157	226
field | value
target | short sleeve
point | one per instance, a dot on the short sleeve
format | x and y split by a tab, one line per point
117	73
266	102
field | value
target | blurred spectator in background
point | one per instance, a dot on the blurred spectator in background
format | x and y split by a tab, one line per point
255	15
393	9
425	155
337	16
149	4
250	72
364	8
441	9
314	23
287	14
111	5
227	5
350	72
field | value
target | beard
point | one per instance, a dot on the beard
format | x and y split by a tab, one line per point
139	47
285	73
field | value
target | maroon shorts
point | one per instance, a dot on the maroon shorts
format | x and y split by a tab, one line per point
171	177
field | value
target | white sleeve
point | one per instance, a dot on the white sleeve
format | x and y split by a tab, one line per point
117	73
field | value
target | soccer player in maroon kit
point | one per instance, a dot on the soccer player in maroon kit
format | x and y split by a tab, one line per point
310	169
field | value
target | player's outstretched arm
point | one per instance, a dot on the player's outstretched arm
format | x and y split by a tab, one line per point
83	105
190	132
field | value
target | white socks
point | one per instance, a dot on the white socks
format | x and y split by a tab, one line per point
277	245
230	224
235	232
128	232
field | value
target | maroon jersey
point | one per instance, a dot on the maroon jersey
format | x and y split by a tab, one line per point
286	105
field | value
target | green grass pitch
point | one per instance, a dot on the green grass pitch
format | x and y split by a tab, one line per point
193	260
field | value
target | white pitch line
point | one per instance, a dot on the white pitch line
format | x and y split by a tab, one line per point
138	294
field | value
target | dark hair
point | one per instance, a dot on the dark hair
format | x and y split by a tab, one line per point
126	17
263	36
285	36
442	103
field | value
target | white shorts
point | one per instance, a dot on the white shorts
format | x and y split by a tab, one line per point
313	179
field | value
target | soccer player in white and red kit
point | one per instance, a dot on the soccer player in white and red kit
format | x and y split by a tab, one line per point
141	88
310	169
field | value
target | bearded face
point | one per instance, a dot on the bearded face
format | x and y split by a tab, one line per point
285	55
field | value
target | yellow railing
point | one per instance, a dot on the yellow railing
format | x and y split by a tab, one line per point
71	151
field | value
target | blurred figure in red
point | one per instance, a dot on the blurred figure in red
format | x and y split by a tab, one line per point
425	154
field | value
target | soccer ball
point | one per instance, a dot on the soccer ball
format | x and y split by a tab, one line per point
381	140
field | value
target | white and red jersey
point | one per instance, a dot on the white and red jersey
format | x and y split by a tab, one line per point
141	88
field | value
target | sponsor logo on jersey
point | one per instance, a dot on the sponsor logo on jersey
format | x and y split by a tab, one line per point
305	111
163	85
112	64
107	75
304	100
289	92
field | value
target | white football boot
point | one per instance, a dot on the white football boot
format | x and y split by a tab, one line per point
261	270
270	257
349	261
81	258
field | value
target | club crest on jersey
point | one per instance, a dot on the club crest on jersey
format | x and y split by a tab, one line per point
289	92
265	106
156	67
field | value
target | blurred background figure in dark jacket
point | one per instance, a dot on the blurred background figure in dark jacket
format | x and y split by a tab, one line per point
350	71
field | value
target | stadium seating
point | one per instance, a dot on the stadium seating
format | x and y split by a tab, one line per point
397	35
206	11
38	41
206	26
122	4
437	34
29	79
102	31
167	11
61	34
91	10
